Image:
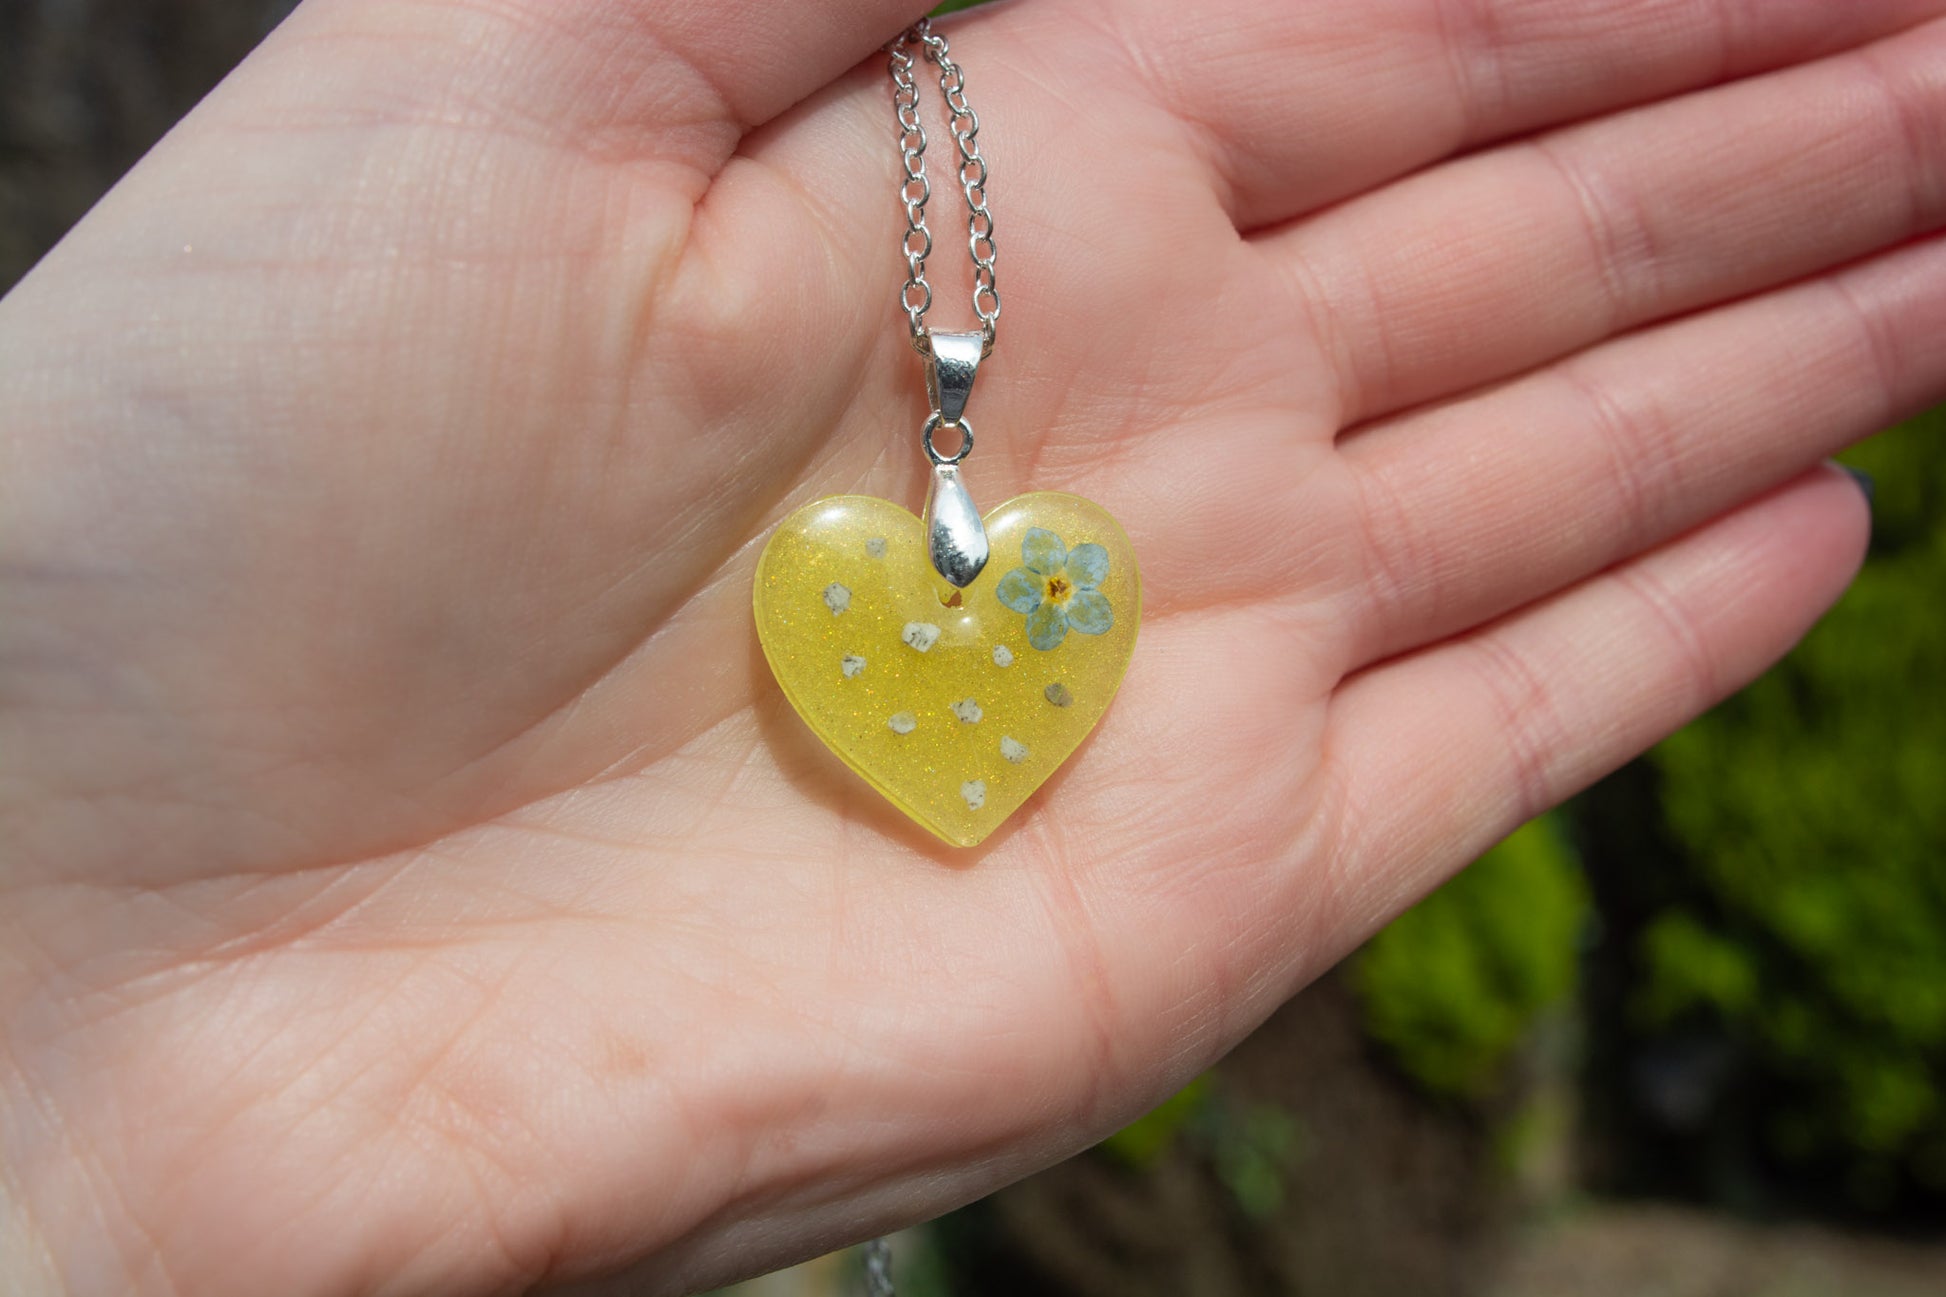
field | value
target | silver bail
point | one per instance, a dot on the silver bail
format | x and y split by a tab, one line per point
954	533
952	360
955	536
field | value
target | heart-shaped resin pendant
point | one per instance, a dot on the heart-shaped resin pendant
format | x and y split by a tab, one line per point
955	662
955	703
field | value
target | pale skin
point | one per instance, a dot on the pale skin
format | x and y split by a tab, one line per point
411	879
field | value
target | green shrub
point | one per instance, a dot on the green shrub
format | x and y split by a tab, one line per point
1812	810
1451	987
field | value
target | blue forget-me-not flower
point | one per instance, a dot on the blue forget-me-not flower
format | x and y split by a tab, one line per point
1057	589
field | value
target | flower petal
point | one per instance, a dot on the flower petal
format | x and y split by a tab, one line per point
1047	627
1043	551
1089	613
1087	566
1020	590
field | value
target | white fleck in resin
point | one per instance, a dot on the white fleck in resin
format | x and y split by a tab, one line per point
1013	749
836	598
921	635
902	723
852	666
1002	656
876	547
975	793
968	711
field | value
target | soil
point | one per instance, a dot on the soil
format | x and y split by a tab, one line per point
1382	1195
1654	1250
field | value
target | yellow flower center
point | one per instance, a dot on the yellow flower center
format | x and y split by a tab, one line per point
1058	589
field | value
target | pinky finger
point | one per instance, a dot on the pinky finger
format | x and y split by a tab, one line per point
1439	754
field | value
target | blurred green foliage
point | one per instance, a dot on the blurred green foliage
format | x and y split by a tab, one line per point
1452	986
1812	812
1142	1142
1252	1147
1249	1146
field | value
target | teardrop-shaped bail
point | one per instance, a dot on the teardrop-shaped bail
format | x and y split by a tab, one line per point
956	539
952	360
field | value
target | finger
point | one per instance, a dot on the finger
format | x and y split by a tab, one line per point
1503	261
608	79
1481	506
1440	754
1295	106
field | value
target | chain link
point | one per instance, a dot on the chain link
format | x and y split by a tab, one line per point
915	189
878	1269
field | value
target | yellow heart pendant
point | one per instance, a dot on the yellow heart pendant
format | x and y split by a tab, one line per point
955	704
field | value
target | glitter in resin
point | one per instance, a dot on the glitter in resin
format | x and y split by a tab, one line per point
921	724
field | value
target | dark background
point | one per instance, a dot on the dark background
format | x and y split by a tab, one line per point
1684	1038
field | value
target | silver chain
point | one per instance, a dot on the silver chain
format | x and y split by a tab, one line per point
965	128
878	1269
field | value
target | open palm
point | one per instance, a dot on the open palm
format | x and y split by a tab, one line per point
413	880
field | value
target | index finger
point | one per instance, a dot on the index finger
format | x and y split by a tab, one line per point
1293	106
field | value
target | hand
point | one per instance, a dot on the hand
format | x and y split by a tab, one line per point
413	880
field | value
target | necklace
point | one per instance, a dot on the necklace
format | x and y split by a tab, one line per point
954	688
